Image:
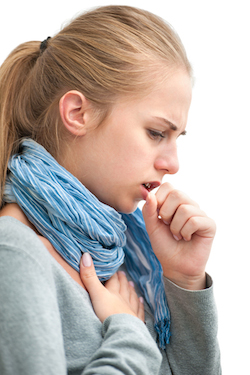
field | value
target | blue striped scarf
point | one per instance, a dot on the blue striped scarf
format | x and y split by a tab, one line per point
74	221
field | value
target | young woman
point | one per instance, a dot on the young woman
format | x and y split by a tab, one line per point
89	121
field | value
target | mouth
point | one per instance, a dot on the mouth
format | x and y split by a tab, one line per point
149	186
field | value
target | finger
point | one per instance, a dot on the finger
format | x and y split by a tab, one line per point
162	193
153	224
124	286
113	284
133	297
173	201
202	226
136	304
89	277
150	213
181	216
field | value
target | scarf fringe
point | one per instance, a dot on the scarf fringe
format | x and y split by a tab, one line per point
163	331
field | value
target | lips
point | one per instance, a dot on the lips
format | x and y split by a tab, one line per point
147	187
151	185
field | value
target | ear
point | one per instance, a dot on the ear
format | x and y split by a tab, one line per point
74	112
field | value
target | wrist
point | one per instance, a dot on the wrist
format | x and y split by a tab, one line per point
188	282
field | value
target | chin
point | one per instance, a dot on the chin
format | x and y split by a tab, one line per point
125	206
128	208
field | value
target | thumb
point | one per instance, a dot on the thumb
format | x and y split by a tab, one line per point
150	213
88	275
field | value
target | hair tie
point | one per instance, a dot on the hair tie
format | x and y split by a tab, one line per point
44	45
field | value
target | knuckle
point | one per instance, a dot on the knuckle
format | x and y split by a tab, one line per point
195	204
184	210
89	274
194	221
166	186
174	229
176	195
164	216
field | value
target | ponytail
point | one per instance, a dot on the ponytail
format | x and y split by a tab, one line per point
13	74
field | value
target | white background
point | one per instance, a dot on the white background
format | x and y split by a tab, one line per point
214	156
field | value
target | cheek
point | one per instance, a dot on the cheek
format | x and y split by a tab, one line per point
127	153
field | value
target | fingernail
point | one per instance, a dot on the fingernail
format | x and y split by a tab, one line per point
122	273
131	283
86	260
141	299
165	222
176	238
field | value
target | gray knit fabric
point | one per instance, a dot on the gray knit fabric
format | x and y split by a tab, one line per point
48	326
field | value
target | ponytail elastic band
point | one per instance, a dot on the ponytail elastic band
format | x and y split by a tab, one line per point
44	45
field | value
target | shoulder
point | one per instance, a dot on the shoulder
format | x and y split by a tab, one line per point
13	232
29	313
25	261
27	277
22	254
18	237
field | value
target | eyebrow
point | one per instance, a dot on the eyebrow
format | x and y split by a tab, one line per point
171	125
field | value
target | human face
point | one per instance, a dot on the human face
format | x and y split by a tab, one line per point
135	146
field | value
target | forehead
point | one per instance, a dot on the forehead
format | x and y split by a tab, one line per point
169	100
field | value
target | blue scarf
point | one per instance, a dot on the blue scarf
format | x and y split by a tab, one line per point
74	221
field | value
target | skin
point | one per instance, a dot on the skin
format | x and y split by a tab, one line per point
136	145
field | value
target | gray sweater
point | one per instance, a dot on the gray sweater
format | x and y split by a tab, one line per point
48	326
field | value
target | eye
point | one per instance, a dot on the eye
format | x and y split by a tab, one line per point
156	135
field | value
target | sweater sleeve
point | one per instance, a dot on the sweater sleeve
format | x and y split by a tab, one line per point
193	347
127	348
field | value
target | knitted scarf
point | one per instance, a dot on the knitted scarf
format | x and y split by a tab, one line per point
75	221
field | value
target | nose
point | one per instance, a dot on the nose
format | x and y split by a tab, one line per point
167	160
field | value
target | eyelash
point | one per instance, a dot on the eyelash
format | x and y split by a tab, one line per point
156	135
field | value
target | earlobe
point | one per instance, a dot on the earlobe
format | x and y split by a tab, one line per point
73	108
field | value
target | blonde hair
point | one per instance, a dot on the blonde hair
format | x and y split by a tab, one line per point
104	53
